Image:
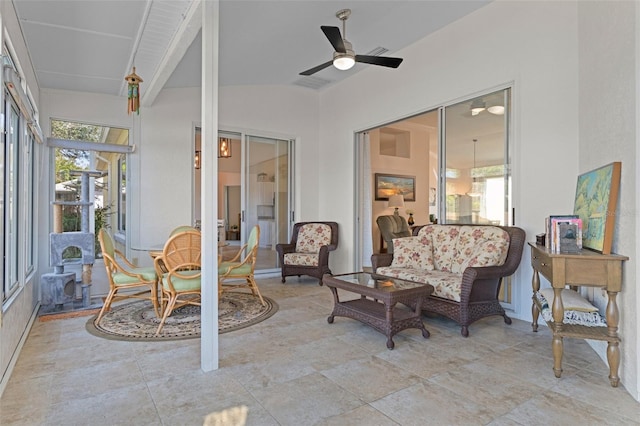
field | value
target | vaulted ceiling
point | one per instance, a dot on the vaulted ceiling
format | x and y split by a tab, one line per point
91	45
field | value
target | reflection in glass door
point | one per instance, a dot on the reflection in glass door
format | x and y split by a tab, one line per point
476	181
267	190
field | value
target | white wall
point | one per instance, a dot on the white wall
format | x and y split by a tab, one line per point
608	78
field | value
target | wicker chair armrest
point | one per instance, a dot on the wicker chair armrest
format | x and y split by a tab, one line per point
237	265
323	255
117	267
159	265
381	259
237	256
285	248
482	282
118	255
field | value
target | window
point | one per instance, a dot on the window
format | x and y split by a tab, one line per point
102	150
29	205
18	186
122	193
12	148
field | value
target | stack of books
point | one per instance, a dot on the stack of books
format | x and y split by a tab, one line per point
564	233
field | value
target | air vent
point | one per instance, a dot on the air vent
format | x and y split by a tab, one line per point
312	82
377	51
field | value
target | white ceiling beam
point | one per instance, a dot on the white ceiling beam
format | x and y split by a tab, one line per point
183	38
90	146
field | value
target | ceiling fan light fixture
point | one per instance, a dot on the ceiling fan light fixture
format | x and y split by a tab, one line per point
477	106
496	109
343	61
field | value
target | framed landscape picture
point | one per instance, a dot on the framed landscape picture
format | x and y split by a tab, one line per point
388	185
595	203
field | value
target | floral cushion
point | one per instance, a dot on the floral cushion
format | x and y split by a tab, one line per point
444	240
590	319
480	246
301	259
446	284
412	252
312	236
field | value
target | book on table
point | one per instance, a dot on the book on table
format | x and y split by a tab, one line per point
564	233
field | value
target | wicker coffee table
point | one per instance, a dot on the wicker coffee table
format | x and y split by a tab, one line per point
377	305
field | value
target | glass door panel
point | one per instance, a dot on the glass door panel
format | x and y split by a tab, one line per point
266	195
476	180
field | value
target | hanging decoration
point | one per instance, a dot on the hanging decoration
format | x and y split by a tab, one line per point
224	148
133	93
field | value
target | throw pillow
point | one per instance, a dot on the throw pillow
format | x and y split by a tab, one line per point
480	246
410	252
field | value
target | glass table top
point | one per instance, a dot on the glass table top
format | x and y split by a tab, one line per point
377	281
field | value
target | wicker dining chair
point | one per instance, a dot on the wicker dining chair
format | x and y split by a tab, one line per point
182	228
239	271
124	275
178	269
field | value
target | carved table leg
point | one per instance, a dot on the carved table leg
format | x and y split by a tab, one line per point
557	309
613	349
556	347
535	283
389	314
336	301
613	356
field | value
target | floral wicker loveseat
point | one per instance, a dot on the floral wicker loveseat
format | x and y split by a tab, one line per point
464	263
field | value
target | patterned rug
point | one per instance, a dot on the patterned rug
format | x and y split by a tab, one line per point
136	321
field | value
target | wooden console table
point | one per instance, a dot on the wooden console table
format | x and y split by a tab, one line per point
586	268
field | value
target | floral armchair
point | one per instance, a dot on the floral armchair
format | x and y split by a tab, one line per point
308	251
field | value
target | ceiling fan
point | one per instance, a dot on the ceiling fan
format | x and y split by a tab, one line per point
344	57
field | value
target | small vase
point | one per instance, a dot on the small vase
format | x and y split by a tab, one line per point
410	220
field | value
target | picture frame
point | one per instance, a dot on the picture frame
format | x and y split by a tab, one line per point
595	203
388	184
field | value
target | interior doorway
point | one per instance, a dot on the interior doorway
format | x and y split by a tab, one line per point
456	160
233	207
255	175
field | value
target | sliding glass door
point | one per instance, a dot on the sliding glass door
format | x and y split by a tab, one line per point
476	159
459	157
267	195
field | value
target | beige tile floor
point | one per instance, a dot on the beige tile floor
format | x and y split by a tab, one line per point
296	369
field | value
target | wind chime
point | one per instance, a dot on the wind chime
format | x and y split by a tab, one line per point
133	93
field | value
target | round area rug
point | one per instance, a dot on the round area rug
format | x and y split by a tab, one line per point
137	321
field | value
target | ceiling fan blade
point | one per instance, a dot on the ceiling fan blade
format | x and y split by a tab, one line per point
385	61
316	69
333	34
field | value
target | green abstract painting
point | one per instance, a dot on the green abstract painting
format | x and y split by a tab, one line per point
595	203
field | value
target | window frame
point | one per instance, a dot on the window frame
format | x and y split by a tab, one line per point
12	190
